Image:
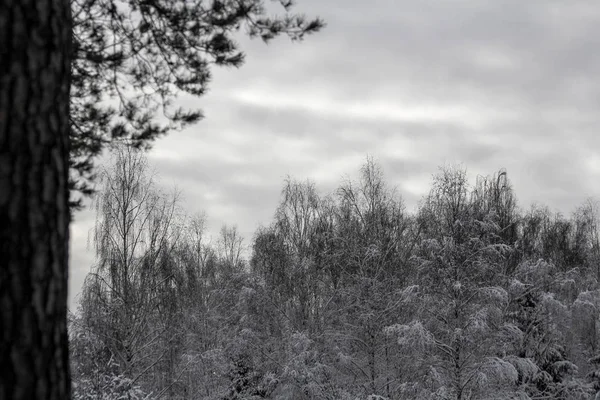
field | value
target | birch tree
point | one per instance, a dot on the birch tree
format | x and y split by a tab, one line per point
136	231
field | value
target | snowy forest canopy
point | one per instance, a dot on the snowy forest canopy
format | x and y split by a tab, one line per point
343	296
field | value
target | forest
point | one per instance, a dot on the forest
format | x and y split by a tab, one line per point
343	295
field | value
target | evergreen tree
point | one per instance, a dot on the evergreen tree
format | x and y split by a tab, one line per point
132	58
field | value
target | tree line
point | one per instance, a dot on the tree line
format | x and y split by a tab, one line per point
345	295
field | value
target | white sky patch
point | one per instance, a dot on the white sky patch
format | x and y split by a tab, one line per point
293	150
81	258
593	163
400	147
579	11
162	153
417	186
226	146
372	110
213	195
248	178
491	58
224	213
331	172
81	230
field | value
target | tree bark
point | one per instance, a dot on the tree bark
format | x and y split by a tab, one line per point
35	38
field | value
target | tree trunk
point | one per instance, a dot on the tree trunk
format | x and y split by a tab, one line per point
35	38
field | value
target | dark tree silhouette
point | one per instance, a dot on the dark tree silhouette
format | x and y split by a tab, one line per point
35	37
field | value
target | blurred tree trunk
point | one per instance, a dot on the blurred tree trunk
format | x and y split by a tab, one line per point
35	57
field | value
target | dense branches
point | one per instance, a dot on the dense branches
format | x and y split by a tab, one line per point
345	296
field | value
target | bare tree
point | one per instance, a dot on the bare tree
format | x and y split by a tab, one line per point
230	247
137	229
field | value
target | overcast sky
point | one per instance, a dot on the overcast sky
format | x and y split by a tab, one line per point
415	84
